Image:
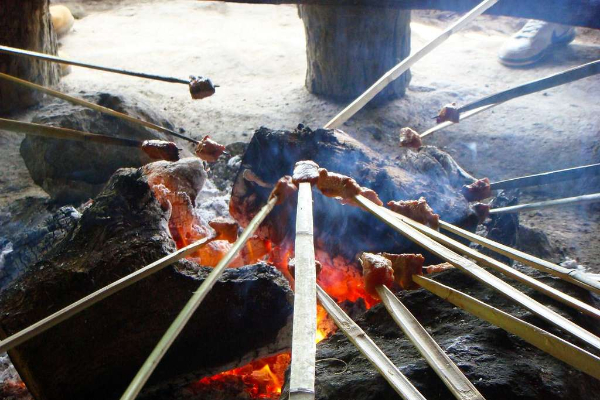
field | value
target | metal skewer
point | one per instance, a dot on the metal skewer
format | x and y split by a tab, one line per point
585	199
586	171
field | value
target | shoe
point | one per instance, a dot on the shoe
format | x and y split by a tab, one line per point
533	42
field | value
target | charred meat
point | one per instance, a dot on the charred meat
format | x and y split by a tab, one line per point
448	113
283	189
482	211
201	88
209	150
478	190
337	185
417	210
306	171
161	150
225	228
405	266
410	138
433	269
377	270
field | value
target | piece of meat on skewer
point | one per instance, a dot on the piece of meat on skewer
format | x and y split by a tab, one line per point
478	190
482	211
306	171
377	270
226	229
343	187
161	150
201	88
283	189
405	266
434	269
292	267
209	150
417	210
448	113
410	138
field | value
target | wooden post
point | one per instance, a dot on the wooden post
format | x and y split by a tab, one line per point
349	48
26	24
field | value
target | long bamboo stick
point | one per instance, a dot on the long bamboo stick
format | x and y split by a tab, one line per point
570	75
585	199
93	106
464	116
585	171
502	268
100	294
571	275
29	128
439	361
368	348
479	273
186	313
302	369
403	66
60	60
545	341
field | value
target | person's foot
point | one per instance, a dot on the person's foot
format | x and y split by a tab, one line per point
532	43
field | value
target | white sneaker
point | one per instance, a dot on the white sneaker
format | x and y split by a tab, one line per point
532	43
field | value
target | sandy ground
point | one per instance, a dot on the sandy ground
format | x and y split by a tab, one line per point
257	55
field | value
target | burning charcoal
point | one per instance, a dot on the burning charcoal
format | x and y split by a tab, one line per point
405	266
200	87
410	138
283	189
292	267
482	211
226	228
161	150
377	270
478	190
306	171
417	210
449	113
434	269
337	185
209	150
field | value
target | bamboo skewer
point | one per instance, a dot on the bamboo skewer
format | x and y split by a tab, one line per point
302	369
93	106
29	128
545	341
60	60
570	75
101	294
464	116
369	349
403	66
479	273
571	275
186	313
585	199
586	171
443	366
502	268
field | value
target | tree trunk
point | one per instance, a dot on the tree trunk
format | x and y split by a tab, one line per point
25	24
349	48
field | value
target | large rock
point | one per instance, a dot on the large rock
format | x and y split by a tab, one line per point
71	171
95	354
346	230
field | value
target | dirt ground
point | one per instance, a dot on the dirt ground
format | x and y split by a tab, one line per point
257	55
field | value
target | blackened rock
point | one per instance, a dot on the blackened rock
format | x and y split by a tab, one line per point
71	171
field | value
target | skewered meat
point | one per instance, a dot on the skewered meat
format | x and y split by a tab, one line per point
405	266
161	150
478	190
417	210
377	270
482	211
306	171
283	189
209	150
433	269
410	138
371	195
448	113
227	229
292	267
337	185
200	87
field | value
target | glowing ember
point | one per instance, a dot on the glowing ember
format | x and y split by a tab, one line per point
261	379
